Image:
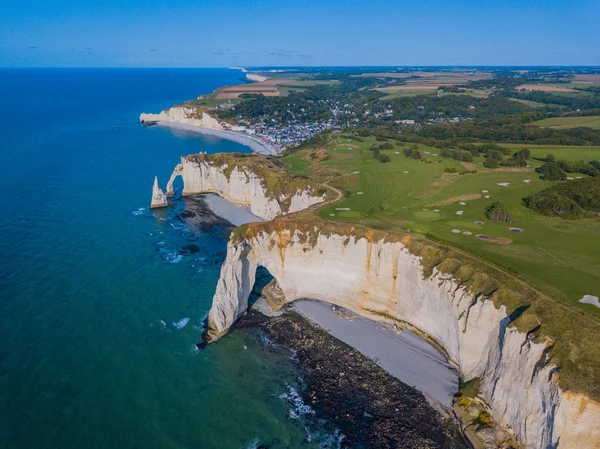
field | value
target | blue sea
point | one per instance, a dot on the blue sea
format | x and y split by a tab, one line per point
101	304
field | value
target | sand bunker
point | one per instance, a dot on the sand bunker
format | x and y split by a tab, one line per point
455	199
484	191
589	299
504	184
467	233
497	240
515	229
456	231
462	203
478	222
459	212
342	208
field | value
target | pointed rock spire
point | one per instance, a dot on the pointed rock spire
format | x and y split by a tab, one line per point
159	199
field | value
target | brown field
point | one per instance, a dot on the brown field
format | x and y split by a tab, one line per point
544	88
587	78
441	77
267	88
412	87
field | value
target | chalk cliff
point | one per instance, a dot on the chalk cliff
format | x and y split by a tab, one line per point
239	184
462	311
159	199
185	115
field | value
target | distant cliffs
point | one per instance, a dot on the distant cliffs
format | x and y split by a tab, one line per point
237	180
187	116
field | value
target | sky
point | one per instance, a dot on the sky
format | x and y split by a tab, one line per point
213	33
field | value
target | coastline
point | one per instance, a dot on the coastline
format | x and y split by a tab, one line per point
256	145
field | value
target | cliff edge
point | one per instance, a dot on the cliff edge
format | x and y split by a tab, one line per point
495	330
254	181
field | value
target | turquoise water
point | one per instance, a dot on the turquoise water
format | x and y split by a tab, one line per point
95	293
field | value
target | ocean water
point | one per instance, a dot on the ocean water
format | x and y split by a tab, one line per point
101	300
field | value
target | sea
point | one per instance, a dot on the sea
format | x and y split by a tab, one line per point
102	300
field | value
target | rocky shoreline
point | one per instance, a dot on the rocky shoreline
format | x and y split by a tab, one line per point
369	406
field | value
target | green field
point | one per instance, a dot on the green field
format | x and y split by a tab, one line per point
395	93
592	121
567	153
531	104
560	257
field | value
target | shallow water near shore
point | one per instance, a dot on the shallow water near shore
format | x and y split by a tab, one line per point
101	299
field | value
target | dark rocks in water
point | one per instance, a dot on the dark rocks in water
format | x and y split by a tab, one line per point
198	215
187	214
370	407
190	249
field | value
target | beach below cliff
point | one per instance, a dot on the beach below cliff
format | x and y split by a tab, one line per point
400	352
255	144
369	406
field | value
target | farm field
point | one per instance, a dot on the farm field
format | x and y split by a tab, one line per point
569	122
558	256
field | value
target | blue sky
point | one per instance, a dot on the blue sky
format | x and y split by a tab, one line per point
211	33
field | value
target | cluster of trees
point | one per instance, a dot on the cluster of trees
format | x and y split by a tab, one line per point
413	154
510	129
424	107
518	159
553	170
574	199
497	212
375	148
573	102
465	156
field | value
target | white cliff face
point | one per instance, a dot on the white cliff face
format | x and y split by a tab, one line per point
240	187
180	114
382	278
256	77
159	199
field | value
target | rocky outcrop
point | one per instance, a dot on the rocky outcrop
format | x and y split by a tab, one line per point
384	279
240	186
159	199
186	116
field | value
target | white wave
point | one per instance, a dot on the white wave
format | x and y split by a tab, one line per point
252	444
181	323
138	211
298	408
172	257
333	441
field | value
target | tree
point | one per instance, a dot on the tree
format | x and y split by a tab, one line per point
416	155
497	212
550	157
551	171
407	151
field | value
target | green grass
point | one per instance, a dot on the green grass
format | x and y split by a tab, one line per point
407	93
569	122
298	165
531	104
558	256
477	93
568	153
